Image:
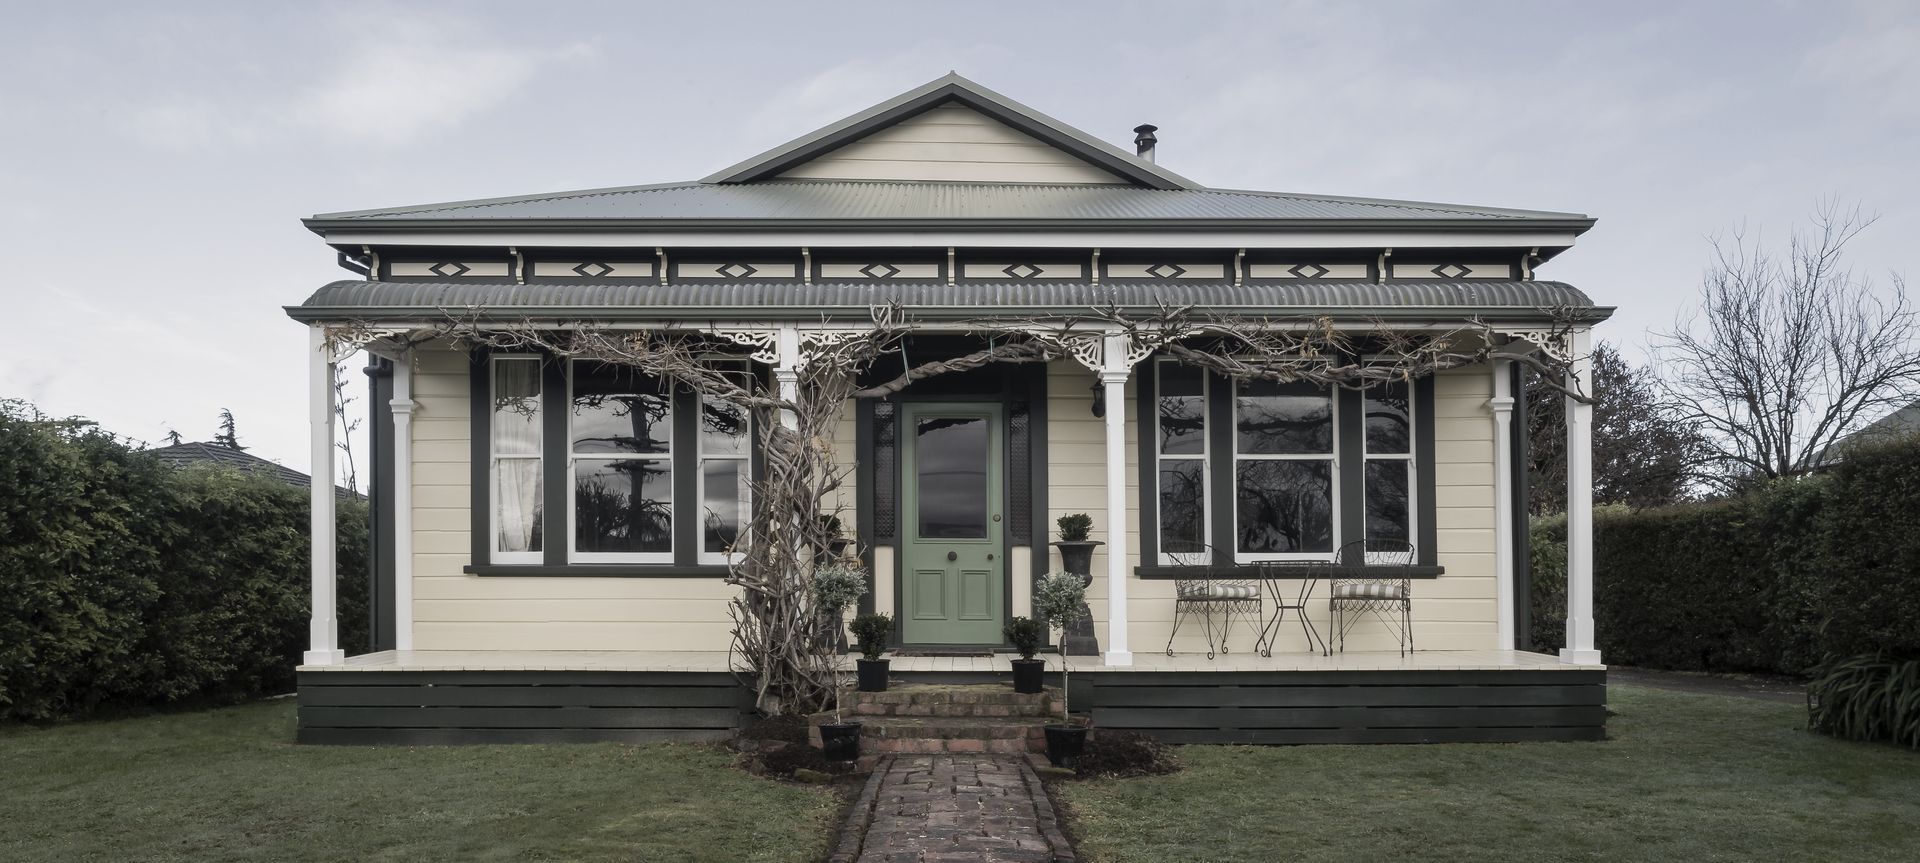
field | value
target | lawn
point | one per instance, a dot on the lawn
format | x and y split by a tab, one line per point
1683	777
230	785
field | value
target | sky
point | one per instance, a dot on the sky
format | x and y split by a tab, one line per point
155	159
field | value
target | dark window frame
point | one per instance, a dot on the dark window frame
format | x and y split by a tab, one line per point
556	476
1351	461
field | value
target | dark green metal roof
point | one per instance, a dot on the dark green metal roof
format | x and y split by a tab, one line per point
413	301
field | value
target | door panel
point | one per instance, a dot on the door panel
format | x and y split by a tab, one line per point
952	499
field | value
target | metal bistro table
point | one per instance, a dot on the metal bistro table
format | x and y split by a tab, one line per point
1271	574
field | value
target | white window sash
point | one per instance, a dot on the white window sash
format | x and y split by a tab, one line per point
1186	558
495	554
574	460
1331	458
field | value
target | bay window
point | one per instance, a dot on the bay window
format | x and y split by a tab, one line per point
1242	471
647	477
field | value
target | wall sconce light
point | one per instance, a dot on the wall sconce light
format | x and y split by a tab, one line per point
1099	398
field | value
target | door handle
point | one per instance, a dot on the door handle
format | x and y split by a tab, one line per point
952	556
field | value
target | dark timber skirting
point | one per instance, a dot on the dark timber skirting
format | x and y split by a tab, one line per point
1262	707
1348	706
446	707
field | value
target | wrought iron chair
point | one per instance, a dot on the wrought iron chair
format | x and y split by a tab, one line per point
1387	596
1214	597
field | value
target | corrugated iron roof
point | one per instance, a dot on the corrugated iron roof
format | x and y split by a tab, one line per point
901	203
363	300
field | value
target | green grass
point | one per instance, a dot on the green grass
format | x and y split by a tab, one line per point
1683	777
230	785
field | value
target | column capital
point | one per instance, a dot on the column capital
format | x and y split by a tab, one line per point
1116	376
402	407
1501	404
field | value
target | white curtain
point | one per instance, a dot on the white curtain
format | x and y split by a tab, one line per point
516	445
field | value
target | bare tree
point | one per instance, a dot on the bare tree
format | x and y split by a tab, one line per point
1787	353
1642	455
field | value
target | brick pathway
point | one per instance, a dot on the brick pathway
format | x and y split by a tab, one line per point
948	808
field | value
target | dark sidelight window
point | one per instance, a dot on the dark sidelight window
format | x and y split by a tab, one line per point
951	476
725	471
1389	487
515	460
1181	448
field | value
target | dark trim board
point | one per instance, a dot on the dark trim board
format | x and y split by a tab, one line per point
1294	707
1256	707
452	707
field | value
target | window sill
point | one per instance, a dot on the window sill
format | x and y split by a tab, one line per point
1160	573
599	570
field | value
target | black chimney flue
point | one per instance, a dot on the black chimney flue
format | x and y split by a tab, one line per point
1143	140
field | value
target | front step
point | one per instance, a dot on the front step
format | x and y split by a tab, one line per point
980	700
946	718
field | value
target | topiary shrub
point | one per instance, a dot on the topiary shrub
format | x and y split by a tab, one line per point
1026	635
873	631
1075	527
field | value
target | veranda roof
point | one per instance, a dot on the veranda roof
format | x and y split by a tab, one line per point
1425	299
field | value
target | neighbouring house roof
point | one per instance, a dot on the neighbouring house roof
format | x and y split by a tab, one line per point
205	452
414	301
184	454
1902	423
1130	192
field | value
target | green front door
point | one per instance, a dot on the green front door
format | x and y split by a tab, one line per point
953	565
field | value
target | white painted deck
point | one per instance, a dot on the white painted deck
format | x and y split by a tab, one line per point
711	661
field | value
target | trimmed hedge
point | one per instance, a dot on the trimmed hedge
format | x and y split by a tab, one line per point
126	584
1780	579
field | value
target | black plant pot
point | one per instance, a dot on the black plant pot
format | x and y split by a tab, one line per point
873	674
1077	557
1065	743
840	741
1028	675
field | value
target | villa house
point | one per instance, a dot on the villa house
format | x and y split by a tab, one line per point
544	575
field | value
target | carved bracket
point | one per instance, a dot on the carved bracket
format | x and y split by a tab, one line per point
764	342
1557	345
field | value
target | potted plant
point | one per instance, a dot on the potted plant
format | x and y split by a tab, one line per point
871	631
1076	551
1060	599
1025	634
835	588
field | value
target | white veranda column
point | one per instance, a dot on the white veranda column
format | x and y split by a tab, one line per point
402	405
1113	376
324	641
1580	644
1501	406
786	371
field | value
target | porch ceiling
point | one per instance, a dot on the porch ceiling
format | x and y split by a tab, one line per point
1404	300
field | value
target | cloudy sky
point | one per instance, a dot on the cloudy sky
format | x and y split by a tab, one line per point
155	158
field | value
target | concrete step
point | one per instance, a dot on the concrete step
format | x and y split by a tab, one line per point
924	734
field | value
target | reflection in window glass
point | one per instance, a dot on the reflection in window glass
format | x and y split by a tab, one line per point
950	464
1272	418
1387	499
516	406
619	410
623	505
1183	506
1389	419
1183	410
1284	506
723	494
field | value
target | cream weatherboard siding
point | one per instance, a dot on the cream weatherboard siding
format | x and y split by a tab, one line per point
456	611
951	143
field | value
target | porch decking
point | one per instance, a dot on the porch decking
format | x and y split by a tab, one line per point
434	697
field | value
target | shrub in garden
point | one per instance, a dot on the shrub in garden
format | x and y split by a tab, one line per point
125	583
1783	578
1867	698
